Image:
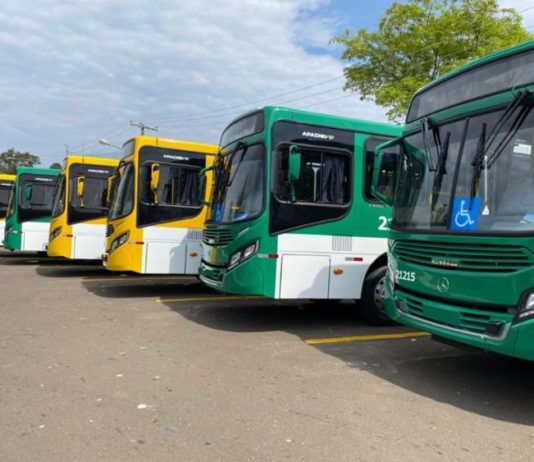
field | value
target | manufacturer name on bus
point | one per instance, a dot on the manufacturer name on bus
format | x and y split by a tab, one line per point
97	171
442	262
318	136
48	180
173	157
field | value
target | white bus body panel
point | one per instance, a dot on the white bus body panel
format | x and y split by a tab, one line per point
2	230
34	236
88	241
306	264
171	250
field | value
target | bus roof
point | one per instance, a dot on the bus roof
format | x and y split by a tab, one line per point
7	177
335	121
509	51
81	159
38	170
167	142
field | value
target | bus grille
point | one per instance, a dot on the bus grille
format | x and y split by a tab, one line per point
464	257
109	230
467	320
217	236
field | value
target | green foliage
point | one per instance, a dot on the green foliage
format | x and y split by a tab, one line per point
11	159
56	165
419	40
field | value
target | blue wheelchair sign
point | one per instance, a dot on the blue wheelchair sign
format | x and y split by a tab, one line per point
465	214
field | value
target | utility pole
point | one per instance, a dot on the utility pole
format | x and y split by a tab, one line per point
143	127
67	148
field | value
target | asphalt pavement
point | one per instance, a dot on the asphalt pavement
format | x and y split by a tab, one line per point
96	366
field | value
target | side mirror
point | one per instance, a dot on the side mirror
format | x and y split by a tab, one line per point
385	171
154	181
80	189
294	163
202	185
111	179
28	190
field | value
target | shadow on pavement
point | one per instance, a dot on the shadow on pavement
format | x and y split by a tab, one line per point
485	384
145	287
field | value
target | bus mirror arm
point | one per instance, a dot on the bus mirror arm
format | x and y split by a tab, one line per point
28	192
80	189
295	158
154	181
202	185
108	191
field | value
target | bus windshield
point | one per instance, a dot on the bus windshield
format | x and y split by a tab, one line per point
59	197
5	191
122	193
470	175
239	189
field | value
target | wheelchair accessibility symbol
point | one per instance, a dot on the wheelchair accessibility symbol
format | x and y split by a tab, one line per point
465	213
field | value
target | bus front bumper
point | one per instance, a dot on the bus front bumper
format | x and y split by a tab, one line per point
245	279
484	330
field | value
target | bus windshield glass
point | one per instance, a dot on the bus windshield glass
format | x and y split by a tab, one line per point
5	191
123	198
239	189
58	206
511	72
472	175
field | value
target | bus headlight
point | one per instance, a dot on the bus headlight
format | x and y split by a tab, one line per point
54	233
526	308
119	241
243	254
391	278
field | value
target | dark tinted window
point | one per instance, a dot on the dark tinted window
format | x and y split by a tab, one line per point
36	194
58	206
93	202
246	126
123	201
5	192
177	192
323	191
494	77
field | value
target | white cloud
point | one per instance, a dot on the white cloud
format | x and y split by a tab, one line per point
73	71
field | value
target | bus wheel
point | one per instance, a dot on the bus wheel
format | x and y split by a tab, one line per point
373	301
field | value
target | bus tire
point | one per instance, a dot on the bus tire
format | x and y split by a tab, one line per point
373	304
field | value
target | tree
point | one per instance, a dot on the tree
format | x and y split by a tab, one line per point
56	165
419	40
11	159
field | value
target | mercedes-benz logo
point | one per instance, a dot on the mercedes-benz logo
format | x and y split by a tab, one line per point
443	284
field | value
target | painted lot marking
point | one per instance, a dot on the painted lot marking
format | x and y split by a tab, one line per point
136	278
365	338
206	299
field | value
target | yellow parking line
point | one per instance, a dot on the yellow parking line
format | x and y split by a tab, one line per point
365	338
133	278
205	299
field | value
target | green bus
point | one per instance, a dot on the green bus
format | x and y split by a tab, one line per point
461	246
29	209
291	214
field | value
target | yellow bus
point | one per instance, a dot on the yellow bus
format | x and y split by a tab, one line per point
80	208
6	185
157	207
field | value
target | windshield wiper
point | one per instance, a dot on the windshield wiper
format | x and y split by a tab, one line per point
426	142
481	161
240	146
478	163
441	170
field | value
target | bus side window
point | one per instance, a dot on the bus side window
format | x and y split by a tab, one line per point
324	177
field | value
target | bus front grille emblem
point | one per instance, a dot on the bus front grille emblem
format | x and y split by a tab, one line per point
443	285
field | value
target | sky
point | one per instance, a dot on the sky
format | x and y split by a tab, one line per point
74	72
